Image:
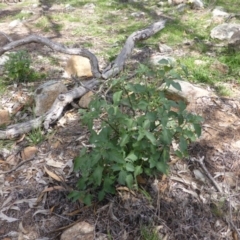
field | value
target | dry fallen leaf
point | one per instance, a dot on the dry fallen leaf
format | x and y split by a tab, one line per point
53	175
53	188
28	152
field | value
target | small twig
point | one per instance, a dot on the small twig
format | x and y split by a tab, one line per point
230	218
19	165
200	161
6	36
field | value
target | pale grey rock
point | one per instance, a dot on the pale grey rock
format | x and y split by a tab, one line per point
138	14
79	231
163	48
35	5
196	4
219	12
46	94
234	41
188	93
68	7
225	31
182	7
162	4
3	59
14	23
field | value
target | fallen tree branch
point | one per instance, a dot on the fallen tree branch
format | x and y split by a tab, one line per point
117	65
200	161
51	116
57	47
111	70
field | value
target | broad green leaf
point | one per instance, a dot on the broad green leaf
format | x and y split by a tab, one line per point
81	184
78	161
138	170
129	180
97	175
122	177
176	85
142	105
163	61
183	144
189	134
129	167
178	153
87	199
198	129
165	154
162	167
116	97
108	185
124	140
146	124
141	134
180	119
182	106
131	157
150	137
101	195
166	136
74	195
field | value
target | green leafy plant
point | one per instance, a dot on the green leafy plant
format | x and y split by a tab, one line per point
137	129
36	136
18	67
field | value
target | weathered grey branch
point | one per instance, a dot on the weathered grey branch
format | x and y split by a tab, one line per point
57	47
51	116
117	65
63	99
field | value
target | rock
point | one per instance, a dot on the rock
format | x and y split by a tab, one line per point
163	48
161	4
234	41
14	23
35	5
182	7
176	2
196	4
224	31
219	12
157	58
28	152
3	59
46	94
85	100
138	14
4	117
218	66
79	231
68	7
189	92
78	65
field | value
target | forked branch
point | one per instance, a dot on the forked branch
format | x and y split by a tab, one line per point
111	70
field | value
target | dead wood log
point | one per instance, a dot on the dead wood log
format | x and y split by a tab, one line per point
111	70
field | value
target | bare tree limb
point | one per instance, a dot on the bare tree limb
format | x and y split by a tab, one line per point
57	47
63	99
117	65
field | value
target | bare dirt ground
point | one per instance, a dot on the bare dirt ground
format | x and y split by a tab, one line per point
186	204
